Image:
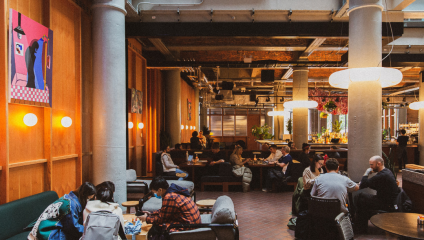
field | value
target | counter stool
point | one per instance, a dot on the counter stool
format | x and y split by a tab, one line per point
130	204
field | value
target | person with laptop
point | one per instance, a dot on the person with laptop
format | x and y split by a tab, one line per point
169	168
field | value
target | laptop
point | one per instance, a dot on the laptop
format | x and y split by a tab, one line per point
190	158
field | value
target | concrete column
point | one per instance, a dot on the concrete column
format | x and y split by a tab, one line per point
314	118
109	91
278	120
196	109
300	115
364	112
172	80
421	122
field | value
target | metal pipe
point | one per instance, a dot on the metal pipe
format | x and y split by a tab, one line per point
169	4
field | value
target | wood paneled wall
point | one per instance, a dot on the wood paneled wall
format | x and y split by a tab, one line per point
48	156
187	93
142	143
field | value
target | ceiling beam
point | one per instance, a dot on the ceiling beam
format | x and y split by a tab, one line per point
401	4
248	29
405	90
311	48
246	48
342	11
287	74
157	42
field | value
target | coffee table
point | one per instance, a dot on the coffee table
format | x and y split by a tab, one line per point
142	235
130	204
401	224
206	204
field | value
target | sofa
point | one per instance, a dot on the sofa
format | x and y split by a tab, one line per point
17	215
224	178
221	224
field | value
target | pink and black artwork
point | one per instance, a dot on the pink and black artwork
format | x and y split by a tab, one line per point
30	61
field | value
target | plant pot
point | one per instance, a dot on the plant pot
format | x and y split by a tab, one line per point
335	140
261	137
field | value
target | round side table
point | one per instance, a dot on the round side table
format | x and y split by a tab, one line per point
130	204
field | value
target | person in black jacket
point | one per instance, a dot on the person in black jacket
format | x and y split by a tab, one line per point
402	141
194	141
304	156
387	191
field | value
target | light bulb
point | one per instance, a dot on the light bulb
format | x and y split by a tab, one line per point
66	122
30	119
130	125
140	125
186	127
182	127
194	127
191	127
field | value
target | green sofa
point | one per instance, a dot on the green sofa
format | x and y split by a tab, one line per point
16	215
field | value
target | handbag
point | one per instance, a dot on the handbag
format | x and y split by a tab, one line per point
158	232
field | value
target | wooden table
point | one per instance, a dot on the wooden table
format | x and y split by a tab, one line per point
261	166
401	224
131	204
193	166
142	235
206	203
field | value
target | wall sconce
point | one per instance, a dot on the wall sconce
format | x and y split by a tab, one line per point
30	119
182	127
186	127
191	127
140	125
66	122
194	127
130	125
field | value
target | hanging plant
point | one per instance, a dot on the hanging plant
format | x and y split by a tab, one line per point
384	105
262	132
323	115
330	106
289	126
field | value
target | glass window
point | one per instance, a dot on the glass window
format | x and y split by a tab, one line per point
330	122
216	125
208	123
262	120
241	125
229	111
228	125
241	111
216	111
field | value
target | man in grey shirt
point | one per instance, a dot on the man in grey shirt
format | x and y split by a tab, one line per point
333	185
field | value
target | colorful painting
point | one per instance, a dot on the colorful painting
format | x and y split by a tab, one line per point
136	101
189	109
30	61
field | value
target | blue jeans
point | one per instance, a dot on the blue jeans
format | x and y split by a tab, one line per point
181	171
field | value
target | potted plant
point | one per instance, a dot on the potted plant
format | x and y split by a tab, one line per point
262	132
330	106
337	127
289	126
384	105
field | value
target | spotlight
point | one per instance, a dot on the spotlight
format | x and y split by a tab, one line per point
282	99
406	104
401	105
404	99
257	101
388	99
268	99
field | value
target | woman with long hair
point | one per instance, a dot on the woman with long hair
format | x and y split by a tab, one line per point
61	219
236	159
309	175
239	169
104	202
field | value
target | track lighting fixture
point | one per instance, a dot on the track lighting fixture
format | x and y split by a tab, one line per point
388	99
282	99
268	99
404	99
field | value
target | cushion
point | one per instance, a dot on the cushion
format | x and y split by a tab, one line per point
185	184
206	218
152	204
16	215
131	175
220	179
223	210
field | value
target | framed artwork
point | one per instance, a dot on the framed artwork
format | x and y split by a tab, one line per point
188	109
30	61
136	101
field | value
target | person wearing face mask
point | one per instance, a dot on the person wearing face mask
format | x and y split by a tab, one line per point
177	206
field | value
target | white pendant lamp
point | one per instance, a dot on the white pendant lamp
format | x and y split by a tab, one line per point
300	104
386	76
416	105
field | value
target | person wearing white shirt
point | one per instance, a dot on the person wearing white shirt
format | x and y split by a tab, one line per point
275	154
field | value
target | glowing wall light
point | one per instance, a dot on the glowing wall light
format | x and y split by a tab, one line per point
182	127
30	119
140	125
66	122
130	125
186	127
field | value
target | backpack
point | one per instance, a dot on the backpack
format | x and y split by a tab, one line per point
101	225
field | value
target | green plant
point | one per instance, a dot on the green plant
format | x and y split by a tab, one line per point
262	132
165	139
384	105
323	130
289	126
389	162
330	106
384	133
337	126
323	115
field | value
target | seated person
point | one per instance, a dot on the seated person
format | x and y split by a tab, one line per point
275	154
169	168
304	156
202	139
292	146
104	202
333	185
238	167
236	159
387	190
177	206
265	147
178	146
333	154
66	223
195	141
277	173
217	158
309	175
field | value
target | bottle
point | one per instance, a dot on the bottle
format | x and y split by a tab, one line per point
187	156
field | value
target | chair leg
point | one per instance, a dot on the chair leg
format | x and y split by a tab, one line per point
225	187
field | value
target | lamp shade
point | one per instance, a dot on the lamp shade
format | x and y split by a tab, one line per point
130	125
182	127
416	105
66	122
194	127
386	76
300	104
186	127
275	113
30	119
140	125
191	127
